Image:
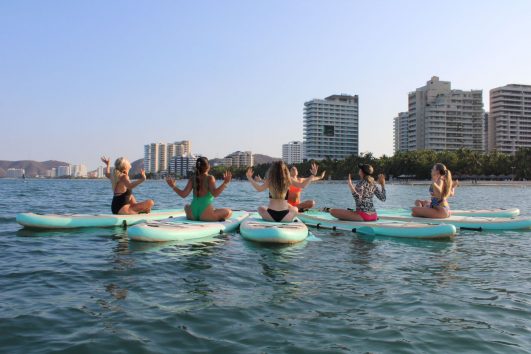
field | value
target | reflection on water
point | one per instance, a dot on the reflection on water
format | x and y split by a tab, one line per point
63	289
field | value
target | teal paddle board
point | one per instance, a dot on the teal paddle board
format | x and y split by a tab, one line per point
256	229
378	228
181	229
73	221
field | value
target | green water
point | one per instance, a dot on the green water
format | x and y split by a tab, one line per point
92	291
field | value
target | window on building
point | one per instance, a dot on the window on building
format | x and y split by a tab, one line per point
328	130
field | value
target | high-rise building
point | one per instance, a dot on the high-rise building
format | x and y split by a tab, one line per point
182	165
100	172
444	119
400	134
331	127
15	172
510	118
78	171
292	152
239	159
157	156
63	171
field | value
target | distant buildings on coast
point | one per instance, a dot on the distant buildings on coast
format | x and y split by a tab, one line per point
441	118
15	173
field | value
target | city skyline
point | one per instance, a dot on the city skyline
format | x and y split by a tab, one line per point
107	78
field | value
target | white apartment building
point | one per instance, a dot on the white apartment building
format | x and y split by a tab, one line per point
15	172
100	172
509	126
158	156
63	171
292	152
444	119
182	165
78	171
239	159
52	173
331	127
400	132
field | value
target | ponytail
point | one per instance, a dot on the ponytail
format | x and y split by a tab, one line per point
446	175
369	179
201	166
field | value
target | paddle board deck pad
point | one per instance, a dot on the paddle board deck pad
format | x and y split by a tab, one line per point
181	229
489	213
256	229
379	228
468	222
74	221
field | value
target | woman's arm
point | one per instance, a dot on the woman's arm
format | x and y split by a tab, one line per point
350	185
227	176
107	162
306	181
259	187
437	186
131	185
182	193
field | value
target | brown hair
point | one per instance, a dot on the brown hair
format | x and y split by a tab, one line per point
279	179
447	178
201	166
367	170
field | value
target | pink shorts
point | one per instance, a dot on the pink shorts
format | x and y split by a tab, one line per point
366	216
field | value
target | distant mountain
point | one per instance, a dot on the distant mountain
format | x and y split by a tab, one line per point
261	159
32	168
136	166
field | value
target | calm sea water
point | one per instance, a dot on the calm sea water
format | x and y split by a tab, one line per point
93	291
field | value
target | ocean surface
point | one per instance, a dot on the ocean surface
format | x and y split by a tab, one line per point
93	291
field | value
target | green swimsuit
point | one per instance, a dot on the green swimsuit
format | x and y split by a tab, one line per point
199	204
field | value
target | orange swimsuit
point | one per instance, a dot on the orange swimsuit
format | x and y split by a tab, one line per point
294	195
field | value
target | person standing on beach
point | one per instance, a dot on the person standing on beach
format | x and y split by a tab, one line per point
123	200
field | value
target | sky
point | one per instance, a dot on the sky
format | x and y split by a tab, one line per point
81	79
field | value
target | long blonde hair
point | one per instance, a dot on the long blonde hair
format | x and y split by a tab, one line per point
120	166
279	179
446	175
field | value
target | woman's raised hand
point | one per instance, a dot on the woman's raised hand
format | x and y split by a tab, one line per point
170	181
106	160
349	180
143	174
314	168
227	177
381	179
322	175
249	173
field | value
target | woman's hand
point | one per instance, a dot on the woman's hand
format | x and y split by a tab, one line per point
381	179
106	160
322	175
349	180
249	173
313	169
171	182
227	177
142	174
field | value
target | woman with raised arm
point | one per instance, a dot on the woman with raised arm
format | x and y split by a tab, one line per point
204	190
123	200
278	181
294	197
441	189
363	193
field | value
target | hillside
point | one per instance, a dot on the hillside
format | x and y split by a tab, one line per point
33	168
261	159
136	166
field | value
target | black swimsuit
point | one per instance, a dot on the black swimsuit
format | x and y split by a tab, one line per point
278	215
119	200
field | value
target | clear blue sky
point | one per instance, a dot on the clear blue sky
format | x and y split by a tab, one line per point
79	79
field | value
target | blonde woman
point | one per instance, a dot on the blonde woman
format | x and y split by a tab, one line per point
123	201
441	189
363	193
278	181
